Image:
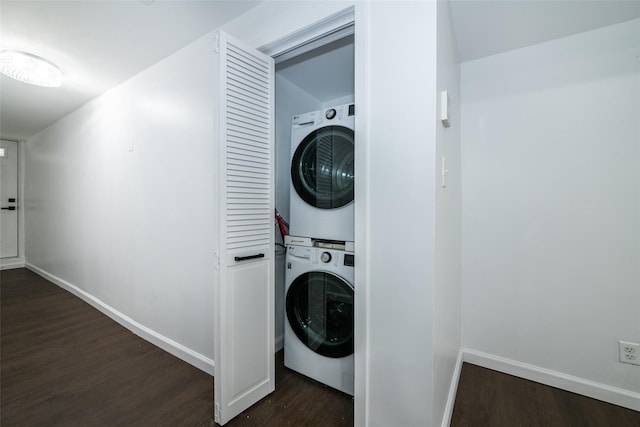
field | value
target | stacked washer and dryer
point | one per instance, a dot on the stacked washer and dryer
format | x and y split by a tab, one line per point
319	277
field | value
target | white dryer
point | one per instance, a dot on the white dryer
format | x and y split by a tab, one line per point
322	174
318	337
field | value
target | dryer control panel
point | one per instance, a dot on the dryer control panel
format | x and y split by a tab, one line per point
325	116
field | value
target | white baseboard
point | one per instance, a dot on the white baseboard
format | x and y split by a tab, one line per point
11	263
606	393
453	390
279	343
194	358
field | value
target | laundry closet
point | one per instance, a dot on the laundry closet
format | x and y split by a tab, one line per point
314	187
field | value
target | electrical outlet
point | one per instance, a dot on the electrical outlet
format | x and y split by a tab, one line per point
629	352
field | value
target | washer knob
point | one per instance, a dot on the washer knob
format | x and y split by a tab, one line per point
325	257
330	114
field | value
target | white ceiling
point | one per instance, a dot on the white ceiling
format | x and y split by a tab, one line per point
483	28
326	73
99	44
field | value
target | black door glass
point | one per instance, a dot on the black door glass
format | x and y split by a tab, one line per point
322	167
320	312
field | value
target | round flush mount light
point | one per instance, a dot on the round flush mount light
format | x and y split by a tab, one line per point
29	68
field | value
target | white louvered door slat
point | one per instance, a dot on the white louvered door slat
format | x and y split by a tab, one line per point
244	328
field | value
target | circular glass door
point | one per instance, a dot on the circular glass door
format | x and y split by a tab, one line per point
320	312
322	167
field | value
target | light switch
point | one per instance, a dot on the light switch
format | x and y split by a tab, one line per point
444	171
444	108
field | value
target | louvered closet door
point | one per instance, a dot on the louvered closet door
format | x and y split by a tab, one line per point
244	329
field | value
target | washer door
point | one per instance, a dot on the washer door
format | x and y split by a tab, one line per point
322	167
320	312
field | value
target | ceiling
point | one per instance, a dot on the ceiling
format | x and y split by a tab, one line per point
326	73
483	28
99	44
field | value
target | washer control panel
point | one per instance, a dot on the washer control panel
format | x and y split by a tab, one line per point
320	256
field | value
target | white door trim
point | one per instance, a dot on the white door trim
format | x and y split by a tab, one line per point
311	33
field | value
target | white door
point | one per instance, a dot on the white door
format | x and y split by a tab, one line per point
244	320
8	199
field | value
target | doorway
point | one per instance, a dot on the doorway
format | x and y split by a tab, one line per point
307	40
315	77
311	80
9	200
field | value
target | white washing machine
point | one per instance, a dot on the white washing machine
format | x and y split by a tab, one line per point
322	174
318	335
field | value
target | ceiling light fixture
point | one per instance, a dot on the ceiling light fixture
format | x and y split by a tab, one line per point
29	68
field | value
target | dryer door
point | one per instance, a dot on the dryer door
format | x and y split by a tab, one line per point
322	167
320	312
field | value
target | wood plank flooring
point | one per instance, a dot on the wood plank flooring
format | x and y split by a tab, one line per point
489	398
63	363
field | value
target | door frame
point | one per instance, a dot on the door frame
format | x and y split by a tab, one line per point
19	261
355	16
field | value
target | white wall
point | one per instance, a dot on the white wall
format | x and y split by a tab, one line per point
448	287
290	100
120	202
400	187
551	204
348	99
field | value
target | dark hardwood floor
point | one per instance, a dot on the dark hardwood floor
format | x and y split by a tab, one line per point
63	363
489	398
